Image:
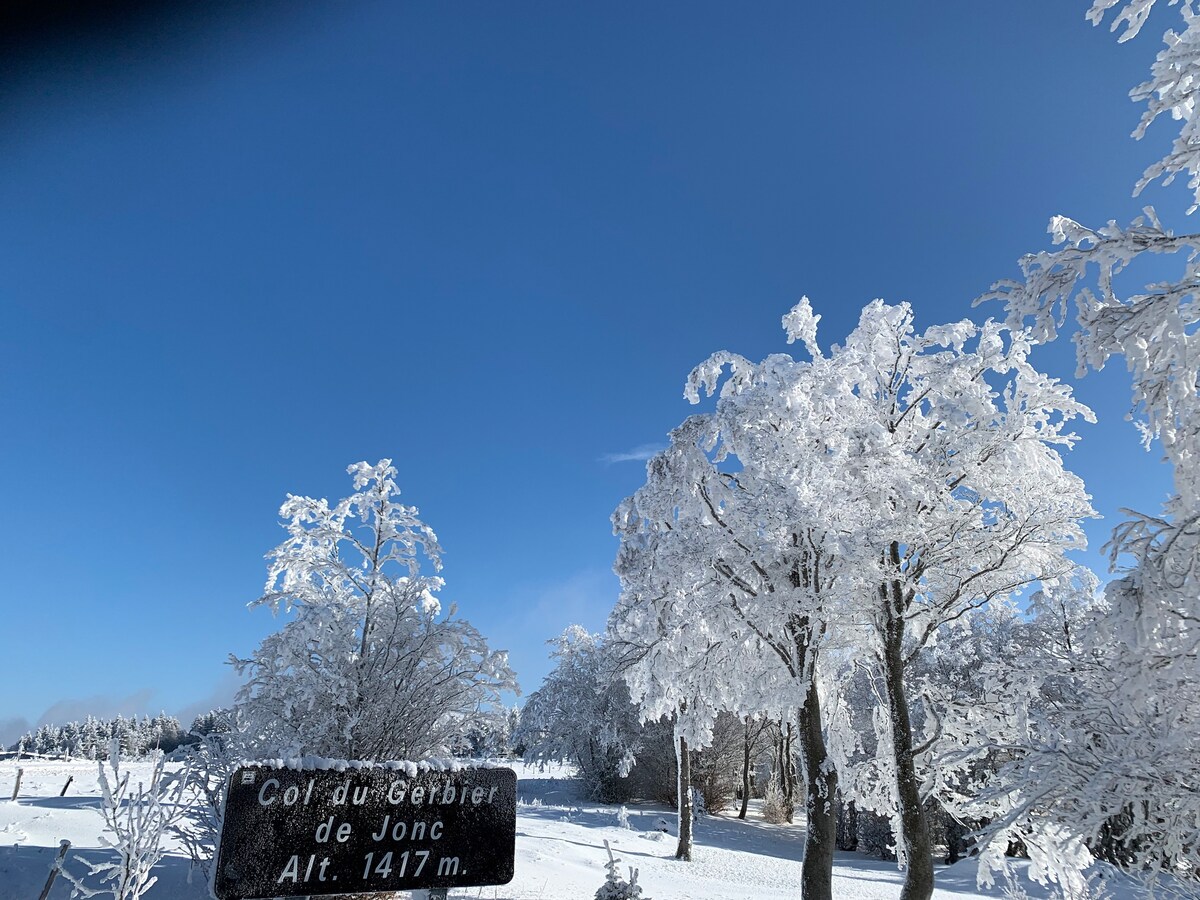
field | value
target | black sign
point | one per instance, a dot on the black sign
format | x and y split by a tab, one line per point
299	832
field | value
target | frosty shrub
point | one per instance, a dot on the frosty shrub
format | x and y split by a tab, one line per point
775	809
615	887
582	714
717	769
369	667
135	823
210	763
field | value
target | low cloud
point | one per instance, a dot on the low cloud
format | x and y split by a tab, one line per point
221	695
11	730
640	453
76	709
100	706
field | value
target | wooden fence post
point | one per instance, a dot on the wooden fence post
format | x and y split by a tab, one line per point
63	792
17	786
56	868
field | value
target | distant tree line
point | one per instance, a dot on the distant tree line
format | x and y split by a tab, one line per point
137	735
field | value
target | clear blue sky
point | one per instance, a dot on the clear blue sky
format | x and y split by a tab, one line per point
239	251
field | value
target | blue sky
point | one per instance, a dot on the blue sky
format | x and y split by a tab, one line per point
239	252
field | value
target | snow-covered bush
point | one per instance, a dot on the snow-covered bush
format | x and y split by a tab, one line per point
369	667
775	809
717	769
136	821
582	714
615	887
209	765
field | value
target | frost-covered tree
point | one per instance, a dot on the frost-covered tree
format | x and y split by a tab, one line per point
969	499
582	714
1146	723
368	667
136	736
873	497
723	569
215	721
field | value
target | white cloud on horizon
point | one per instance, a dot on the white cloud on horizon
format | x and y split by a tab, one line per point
101	706
11	730
640	453
221	695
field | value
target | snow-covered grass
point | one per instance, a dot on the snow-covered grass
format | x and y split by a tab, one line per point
560	847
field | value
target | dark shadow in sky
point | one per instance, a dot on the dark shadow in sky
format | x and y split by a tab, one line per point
53	49
29	29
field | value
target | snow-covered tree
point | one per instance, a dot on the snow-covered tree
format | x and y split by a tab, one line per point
215	721
369	667
970	503
582	714
871	497
723	570
1144	725
137	736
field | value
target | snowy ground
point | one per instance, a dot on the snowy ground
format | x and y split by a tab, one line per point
560	848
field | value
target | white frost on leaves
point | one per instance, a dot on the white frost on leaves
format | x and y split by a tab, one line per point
1093	754
1171	89
800	324
368	667
751	559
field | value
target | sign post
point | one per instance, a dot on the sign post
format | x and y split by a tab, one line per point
296	832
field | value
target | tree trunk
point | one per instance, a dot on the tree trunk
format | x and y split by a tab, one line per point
820	777
789	776
684	850
745	772
847	826
914	824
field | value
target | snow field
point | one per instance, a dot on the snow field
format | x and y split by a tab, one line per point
560	847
